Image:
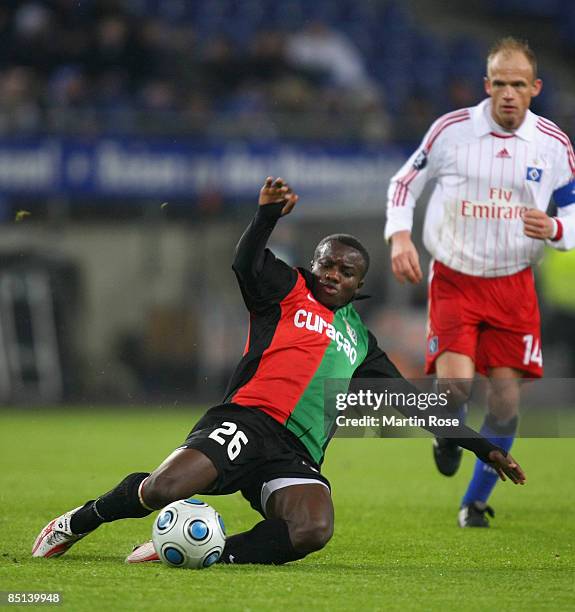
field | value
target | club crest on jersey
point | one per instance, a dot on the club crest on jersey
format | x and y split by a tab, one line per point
433	345
350	331
420	161
534	174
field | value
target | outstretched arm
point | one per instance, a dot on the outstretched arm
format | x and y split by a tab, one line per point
378	365
276	199
262	277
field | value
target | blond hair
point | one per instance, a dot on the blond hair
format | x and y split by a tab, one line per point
509	45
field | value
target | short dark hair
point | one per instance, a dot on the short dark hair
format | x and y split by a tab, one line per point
509	44
348	240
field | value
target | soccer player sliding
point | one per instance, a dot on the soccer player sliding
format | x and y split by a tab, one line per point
267	439
497	166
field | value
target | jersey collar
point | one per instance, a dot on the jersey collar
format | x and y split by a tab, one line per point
483	124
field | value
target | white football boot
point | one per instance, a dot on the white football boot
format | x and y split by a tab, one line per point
56	538
143	553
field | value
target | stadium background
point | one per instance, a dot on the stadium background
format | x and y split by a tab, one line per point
134	136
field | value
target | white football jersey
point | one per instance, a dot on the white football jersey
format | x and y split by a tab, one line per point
486	179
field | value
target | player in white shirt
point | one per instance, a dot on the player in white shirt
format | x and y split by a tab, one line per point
497	166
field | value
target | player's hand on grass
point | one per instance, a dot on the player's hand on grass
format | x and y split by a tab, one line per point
404	258
506	466
275	191
537	224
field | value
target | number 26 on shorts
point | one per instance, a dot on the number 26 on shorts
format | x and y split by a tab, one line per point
234	446
532	351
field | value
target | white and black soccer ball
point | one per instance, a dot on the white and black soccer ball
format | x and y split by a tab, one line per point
189	533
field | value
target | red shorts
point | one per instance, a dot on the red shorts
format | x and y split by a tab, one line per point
493	320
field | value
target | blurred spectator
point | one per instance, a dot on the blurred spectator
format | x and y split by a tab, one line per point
197	112
19	110
160	50
418	114
159	106
267	57
69	101
330	55
32	44
110	92
68	88
114	48
222	69
159	96
375	125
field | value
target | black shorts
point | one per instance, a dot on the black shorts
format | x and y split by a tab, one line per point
252	453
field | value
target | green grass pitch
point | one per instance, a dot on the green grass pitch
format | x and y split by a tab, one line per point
395	546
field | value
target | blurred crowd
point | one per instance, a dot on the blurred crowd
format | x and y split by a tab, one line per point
347	69
255	68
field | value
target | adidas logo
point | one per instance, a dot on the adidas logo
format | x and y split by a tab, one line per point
503	154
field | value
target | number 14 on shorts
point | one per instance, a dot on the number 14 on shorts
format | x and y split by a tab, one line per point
532	352
234	446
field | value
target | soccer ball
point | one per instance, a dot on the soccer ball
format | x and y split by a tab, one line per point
189	533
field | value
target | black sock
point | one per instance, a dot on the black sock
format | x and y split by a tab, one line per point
268	542
121	502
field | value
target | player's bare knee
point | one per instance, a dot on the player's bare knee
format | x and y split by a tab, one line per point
458	391
504	400
504	409
312	535
160	490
